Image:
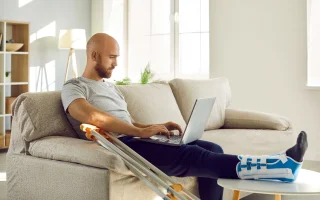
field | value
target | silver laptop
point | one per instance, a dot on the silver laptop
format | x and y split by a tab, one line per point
195	126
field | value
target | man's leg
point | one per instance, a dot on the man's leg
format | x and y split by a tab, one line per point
201	159
193	160
208	187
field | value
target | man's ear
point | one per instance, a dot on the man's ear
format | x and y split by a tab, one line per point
94	56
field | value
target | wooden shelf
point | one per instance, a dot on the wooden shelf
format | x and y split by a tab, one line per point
3	149
15	83
5	140
16	52
18	64
5	115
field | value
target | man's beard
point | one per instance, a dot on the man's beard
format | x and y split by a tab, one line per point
102	72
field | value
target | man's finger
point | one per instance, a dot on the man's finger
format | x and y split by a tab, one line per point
178	127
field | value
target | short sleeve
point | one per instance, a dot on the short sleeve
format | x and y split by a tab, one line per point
70	92
118	91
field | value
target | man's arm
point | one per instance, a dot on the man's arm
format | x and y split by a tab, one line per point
139	125
169	125
81	110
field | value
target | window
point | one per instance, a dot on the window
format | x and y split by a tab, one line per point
171	35
313	43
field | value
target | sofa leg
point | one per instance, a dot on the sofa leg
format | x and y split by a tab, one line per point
277	197
236	195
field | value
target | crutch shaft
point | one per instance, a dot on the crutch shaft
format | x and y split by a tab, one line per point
136	164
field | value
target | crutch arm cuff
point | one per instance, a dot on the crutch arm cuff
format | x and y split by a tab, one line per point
87	129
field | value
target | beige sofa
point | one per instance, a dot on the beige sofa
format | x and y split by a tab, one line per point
46	160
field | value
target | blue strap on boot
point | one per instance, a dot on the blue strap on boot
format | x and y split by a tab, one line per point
278	167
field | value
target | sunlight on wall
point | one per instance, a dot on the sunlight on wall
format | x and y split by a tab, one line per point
24	2
43	78
33	78
47	31
3	176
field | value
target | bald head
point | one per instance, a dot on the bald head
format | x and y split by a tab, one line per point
102	53
100	42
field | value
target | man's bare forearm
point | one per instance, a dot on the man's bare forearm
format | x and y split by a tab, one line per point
84	112
140	125
113	124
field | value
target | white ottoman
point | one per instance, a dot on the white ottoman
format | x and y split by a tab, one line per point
307	183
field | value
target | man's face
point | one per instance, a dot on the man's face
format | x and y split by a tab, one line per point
107	61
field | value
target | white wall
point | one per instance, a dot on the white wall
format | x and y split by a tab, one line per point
261	46
108	16
47	18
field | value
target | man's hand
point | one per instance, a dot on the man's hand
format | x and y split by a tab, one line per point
154	130
173	126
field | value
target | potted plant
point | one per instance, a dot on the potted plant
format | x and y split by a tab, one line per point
146	75
124	81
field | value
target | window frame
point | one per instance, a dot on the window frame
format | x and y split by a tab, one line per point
174	43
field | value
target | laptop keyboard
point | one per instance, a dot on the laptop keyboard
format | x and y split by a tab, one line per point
175	139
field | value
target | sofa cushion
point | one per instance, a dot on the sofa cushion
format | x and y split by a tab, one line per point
187	91
79	151
152	103
40	115
245	119
250	141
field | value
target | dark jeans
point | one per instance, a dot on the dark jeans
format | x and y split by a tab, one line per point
202	159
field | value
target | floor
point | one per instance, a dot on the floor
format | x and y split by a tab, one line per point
3	185
311	165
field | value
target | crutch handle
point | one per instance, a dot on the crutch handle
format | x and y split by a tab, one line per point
87	128
177	187
171	197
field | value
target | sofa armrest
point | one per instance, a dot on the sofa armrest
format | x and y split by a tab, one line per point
79	151
243	119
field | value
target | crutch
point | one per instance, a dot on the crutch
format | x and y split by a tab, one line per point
137	164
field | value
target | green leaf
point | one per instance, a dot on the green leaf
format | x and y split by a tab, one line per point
124	81
146	75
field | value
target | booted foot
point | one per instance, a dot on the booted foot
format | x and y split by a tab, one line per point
282	167
298	150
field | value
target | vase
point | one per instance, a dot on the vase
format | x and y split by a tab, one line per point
8	79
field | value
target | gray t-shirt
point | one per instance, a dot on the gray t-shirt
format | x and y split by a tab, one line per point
102	95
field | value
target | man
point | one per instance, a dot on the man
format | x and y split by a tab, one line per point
88	99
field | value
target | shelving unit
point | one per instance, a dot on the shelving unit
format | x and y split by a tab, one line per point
17	63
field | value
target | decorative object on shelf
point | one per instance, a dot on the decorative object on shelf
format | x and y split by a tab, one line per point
11	46
146	75
72	39
8	77
124	81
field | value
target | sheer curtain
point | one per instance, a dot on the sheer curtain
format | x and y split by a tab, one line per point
313	42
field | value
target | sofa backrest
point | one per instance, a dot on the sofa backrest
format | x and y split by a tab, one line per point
187	91
152	103
40	115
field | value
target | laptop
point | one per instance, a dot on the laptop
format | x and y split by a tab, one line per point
195	126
